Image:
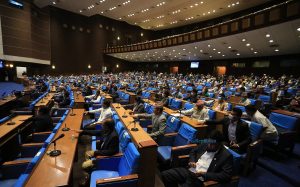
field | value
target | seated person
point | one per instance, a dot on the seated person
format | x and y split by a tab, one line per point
158	121
20	102
43	121
244	100
94	98
236	132
198	112
220	104
105	113
165	98
270	132
87	91
192	97
210	161
109	145
137	107
65	101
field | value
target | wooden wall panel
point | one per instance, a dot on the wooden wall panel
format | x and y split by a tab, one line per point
259	19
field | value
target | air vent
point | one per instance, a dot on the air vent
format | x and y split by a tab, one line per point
234	50
274	45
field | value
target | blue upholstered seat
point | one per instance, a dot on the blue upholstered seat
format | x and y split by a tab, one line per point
188	106
116	166
176	104
173	124
211	114
186	134
283	121
265	98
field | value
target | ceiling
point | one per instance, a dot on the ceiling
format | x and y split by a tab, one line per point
278	39
154	14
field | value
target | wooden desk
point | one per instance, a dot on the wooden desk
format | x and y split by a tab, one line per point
6	129
57	171
146	145
7	99
288	113
79	100
53	89
45	101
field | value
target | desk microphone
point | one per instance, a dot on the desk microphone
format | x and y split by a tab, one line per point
134	128
180	114
65	128
72	114
124	115
118	106
11	122
55	152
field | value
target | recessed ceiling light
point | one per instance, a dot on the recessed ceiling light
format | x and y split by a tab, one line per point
244	40
219	52
201	50
208	45
271	41
195	47
184	49
251	49
298	29
54	2
214	49
223	55
255	52
80	11
229	47
248	44
238	54
276	50
268	35
210	56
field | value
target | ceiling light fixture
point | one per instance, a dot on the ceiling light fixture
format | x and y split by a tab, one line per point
268	35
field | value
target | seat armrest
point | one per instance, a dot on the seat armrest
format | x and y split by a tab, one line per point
109	163
41	133
189	146
117	179
30	149
22	112
115	155
171	134
13	169
15	162
167	139
213	183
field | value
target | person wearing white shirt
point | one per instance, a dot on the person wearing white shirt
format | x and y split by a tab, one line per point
198	112
208	161
105	113
270	132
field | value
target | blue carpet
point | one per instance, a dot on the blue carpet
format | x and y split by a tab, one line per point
260	177
8	87
287	169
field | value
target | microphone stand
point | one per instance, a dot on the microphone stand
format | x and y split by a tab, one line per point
118	106
42	101
134	128
180	116
72	114
11	122
124	115
55	152
65	128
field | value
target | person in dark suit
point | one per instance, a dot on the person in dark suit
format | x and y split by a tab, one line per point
107	146
137	107
236	132
209	161
43	121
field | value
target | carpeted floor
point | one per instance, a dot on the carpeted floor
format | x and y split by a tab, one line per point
8	87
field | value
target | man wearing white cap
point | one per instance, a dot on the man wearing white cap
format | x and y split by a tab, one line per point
198	112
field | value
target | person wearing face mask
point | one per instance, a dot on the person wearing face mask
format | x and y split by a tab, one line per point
208	161
107	146
105	113
198	112
236	132
221	104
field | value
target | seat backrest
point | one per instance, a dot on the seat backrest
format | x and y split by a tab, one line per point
129	161
188	106
126	97
185	135
124	141
150	109
255	130
228	93
199	87
211	95
236	161
173	124
241	107
119	127
189	88
229	106
170	100
176	104
147	95
253	101
116	118
211	114
35	160
264	98
283	121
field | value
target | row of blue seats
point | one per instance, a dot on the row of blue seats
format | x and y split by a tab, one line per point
17	174
120	165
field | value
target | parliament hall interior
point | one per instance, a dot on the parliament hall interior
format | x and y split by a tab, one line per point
149	93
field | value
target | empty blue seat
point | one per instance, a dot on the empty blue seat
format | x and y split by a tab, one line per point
264	98
119	167
176	104
283	121
211	114
185	135
188	106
